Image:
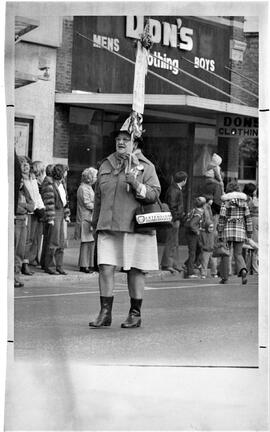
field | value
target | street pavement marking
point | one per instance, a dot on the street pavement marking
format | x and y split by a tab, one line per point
147	288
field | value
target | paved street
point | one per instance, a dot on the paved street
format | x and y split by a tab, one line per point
55	380
184	322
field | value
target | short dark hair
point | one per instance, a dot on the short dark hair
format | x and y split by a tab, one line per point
58	172
49	170
233	186
180	176
208	197
249	189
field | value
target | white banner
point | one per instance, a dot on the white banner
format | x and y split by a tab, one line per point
139	78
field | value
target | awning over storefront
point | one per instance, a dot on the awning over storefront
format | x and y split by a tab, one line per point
186	108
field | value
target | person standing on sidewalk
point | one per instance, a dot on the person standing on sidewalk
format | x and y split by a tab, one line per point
174	199
57	212
83	228
251	191
38	169
23	204
48	199
207	240
234	227
125	179
193	226
30	182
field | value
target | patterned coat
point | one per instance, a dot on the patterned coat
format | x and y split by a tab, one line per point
51	199
234	222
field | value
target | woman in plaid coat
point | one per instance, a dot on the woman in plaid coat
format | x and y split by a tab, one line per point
234	226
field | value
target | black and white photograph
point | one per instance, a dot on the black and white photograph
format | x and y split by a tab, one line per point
134	167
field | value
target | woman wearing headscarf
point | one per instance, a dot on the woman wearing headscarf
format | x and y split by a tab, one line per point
234	227
84	229
125	179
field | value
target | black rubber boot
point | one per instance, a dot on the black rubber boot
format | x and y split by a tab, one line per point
134	316
104	318
244	276
26	270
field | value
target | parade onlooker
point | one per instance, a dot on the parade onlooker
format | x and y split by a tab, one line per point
55	199
25	205
38	169
207	240
213	183
234	226
84	229
125	179
174	199
252	195
193	226
31	185
47	196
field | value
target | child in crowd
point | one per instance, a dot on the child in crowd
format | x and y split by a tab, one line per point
193	225
207	240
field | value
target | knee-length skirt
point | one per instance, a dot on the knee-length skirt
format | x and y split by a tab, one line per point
127	250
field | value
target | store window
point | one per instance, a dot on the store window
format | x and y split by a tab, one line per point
248	160
23	136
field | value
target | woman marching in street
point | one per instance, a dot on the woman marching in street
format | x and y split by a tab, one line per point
234	227
125	179
84	230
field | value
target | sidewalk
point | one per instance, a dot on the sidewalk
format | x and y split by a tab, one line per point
71	256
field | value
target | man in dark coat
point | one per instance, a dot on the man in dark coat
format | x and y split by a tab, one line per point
174	199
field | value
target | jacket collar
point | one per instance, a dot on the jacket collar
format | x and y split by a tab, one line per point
113	160
234	195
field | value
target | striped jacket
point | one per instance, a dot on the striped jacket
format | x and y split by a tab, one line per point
51	199
235	223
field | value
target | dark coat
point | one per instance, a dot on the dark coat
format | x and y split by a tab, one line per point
25	203
174	199
211	186
115	206
195	222
17	180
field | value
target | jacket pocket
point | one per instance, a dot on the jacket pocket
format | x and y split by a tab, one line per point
105	176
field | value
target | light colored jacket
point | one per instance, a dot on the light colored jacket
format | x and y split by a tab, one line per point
115	205
85	205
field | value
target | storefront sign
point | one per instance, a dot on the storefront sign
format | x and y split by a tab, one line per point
180	43
235	126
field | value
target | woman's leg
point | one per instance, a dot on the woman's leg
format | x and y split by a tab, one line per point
136	290
238	257
205	256
84	256
136	283
106	279
106	286
224	268
91	262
